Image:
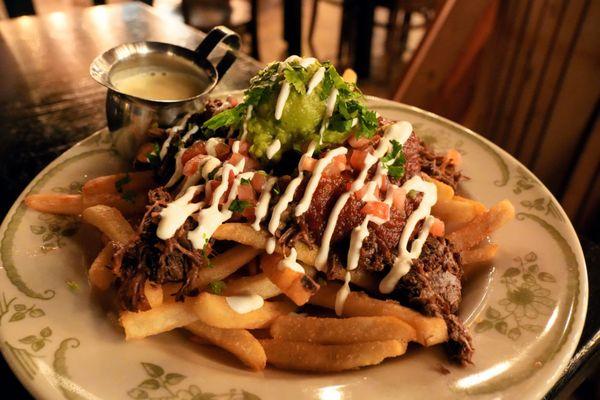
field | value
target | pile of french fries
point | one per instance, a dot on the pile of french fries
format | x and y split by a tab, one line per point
369	331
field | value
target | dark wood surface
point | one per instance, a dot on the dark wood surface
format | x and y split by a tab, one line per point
48	102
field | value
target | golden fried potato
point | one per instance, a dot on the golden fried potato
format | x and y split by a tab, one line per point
54	203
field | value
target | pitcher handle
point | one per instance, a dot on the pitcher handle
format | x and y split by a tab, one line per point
217	35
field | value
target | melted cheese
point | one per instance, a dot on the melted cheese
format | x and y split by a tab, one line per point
245	304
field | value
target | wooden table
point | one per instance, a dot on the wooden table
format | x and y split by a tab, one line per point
48	101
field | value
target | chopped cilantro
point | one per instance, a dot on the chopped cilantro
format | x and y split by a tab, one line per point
211	174
245	181
154	156
238	205
412	194
394	160
276	189
226	118
296	76
122	182
73	286
216	287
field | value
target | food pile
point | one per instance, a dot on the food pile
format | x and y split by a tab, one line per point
295	227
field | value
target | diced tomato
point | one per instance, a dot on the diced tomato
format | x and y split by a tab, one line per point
193	151
258	181
249	211
251	164
438	228
235	158
332	170
454	157
341	161
357	159
360	193
191	166
246	192
243	147
232	100
210	188
358	143
399	197
384	183
307	164
143	151
377	208
222	151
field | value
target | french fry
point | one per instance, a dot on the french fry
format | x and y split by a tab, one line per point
136	181
456	213
294	284
54	203
349	75
444	192
479	228
258	284
215	311
99	275
153	293
238	342
126	191
225	264
110	221
329	358
157	320
476	258
245	234
429	330
341	330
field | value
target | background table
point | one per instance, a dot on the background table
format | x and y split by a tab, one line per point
48	102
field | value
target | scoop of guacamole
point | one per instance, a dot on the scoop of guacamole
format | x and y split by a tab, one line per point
303	114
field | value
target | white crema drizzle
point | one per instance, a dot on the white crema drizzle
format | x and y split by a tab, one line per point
176	212
245	304
273	148
290	262
342	295
262	207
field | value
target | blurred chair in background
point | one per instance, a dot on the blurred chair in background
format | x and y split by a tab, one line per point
239	15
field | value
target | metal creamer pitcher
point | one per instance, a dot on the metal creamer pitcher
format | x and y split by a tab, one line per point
130	114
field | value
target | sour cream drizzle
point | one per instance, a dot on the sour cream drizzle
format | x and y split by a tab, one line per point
304	203
262	207
176	212
211	145
273	148
245	304
290	262
211	217
342	295
405	257
315	80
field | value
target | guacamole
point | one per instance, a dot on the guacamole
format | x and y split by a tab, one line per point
304	116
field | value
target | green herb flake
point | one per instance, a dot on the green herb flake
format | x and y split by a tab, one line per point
245	181
122	182
154	156
238	205
226	118
216	287
276	189
394	160
296	76
73	286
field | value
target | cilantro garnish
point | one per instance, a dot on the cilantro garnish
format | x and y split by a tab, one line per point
238	205
216	287
122	182
127	195
296	76
154	156
245	181
394	160
211	174
276	190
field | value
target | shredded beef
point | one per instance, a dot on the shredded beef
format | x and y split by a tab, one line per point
438	167
433	285
147	258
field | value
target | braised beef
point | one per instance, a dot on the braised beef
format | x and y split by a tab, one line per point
438	167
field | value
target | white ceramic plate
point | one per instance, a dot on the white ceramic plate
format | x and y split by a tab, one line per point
526	313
